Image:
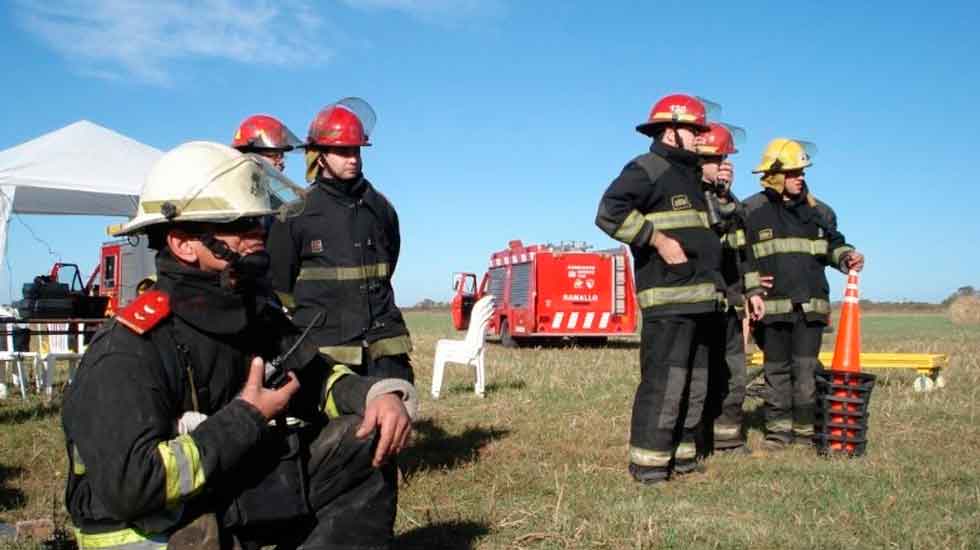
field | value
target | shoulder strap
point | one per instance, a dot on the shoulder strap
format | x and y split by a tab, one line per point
145	312
654	165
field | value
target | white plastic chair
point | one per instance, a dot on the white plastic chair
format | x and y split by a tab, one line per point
16	358
59	350
468	351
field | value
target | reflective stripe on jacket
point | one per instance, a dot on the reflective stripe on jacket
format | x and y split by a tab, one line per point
338	257
662	191
794	242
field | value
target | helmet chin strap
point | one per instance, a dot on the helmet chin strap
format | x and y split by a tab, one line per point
246	268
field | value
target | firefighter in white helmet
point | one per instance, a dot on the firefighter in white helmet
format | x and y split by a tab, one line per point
175	426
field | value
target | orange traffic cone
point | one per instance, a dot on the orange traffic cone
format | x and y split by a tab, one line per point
847	351
847	357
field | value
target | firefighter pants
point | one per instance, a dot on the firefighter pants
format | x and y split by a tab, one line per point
353	502
791	359
726	389
673	382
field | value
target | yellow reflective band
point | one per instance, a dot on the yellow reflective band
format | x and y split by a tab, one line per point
77	466
630	227
686	451
780	425
680	219
785	305
396	345
776	307
735	239
839	252
647	457
803	430
816	305
752	280
339	371
348	355
357	273
124	539
200	204
287	299
723	431
691	294
790	245
183	471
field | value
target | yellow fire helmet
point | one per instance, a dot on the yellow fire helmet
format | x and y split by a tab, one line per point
783	155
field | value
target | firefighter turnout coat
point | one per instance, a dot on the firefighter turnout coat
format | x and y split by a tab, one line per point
133	477
794	241
662	191
338	257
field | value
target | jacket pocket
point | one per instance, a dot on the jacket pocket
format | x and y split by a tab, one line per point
678	274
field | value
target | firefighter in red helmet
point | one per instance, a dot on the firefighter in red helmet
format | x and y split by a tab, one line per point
339	256
658	206
722	423
265	135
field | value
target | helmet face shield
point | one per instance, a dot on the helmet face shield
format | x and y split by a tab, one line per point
363	111
737	132
285	141
286	198
712	109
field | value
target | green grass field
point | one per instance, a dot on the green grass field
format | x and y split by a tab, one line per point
541	461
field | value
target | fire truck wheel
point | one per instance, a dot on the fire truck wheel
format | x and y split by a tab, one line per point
506	339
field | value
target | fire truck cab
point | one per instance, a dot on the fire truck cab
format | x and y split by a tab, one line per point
125	266
552	291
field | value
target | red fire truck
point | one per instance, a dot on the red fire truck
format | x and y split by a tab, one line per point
552	291
123	265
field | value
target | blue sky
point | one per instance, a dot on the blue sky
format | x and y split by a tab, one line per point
500	119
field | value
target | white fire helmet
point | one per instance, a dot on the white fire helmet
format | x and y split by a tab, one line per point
202	181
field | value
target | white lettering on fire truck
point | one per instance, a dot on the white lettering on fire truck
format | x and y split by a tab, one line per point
580	297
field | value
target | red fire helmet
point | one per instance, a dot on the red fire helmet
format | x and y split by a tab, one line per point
675	109
347	123
720	139
264	133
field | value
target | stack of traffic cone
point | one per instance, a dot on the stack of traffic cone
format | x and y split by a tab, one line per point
844	391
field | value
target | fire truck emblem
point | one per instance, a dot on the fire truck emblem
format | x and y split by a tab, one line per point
316	246
590	283
577	283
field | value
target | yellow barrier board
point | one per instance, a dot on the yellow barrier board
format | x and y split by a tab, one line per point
928	364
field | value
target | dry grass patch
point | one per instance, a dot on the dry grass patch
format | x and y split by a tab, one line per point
965	310
540	463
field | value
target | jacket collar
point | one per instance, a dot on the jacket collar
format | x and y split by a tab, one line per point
675	154
352	189
199	298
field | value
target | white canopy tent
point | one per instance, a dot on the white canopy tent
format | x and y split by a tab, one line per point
81	169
